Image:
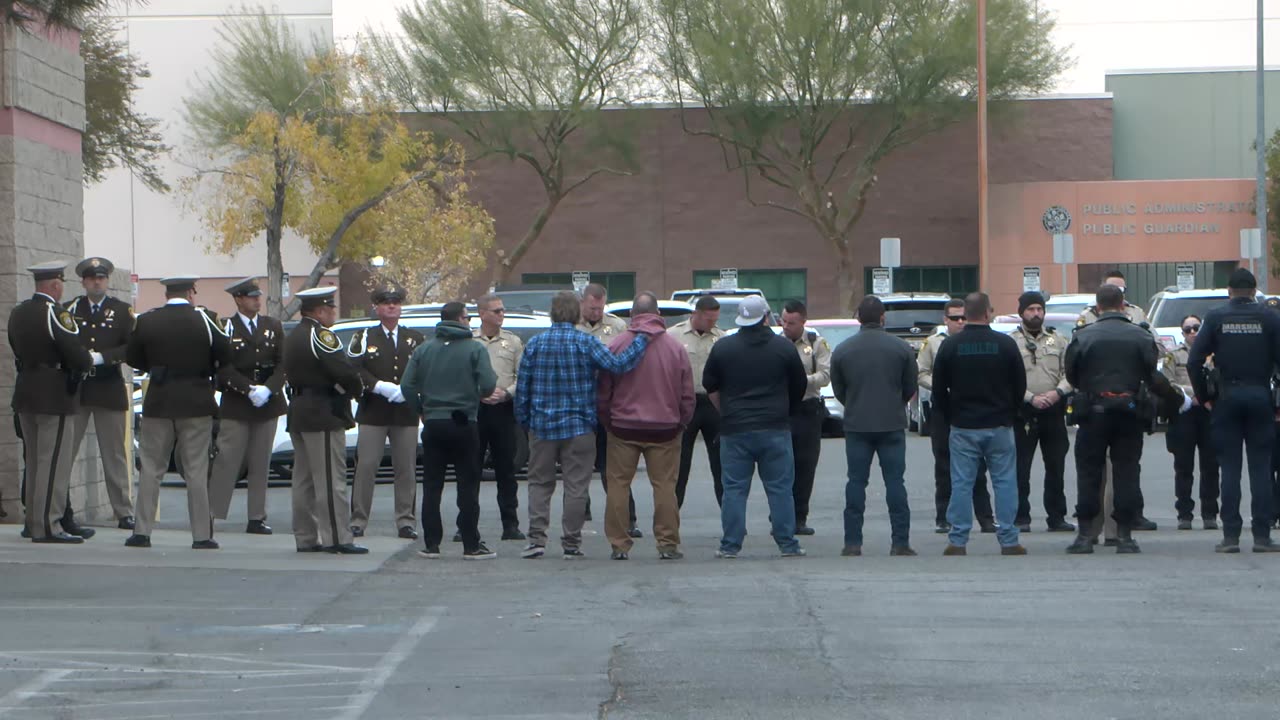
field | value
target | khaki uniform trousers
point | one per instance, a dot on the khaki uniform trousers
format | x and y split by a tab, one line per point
242	444
370	446
109	426
662	463
192	438
49	457
321	510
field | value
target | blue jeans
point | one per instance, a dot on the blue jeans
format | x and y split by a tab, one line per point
891	447
1243	415
968	449
740	455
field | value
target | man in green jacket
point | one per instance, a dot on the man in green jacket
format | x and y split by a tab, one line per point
445	380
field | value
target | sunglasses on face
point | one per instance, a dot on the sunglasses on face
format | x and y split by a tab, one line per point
1191	329
956	318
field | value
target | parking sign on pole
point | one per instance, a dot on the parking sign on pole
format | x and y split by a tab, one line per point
881	281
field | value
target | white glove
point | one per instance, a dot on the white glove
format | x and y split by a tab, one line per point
397	396
1186	403
97	357
385	389
259	394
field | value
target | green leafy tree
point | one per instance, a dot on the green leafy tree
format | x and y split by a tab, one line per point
808	97
116	134
295	143
528	80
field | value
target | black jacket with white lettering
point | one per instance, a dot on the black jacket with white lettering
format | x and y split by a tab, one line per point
1244	339
978	379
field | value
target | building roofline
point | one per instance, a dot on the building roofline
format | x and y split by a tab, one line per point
1190	70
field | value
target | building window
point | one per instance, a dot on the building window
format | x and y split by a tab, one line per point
620	285
778	286
958	280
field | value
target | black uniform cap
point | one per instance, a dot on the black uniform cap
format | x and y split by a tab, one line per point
51	270
94	266
247	287
316	297
388	292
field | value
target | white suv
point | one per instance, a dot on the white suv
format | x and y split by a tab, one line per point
1170	306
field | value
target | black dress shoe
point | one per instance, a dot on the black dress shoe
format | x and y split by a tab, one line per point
408	533
635	532
204	545
1024	526
80	531
136	540
60	538
357	531
1060	526
1144	524
258	527
457	537
512	534
987	526
311	549
347	549
126	523
804	530
26	533
942	528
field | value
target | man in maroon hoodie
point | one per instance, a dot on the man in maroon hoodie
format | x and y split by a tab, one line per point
645	412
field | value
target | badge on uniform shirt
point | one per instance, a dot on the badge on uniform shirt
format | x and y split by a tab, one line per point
608	330
807	350
372	348
1049	342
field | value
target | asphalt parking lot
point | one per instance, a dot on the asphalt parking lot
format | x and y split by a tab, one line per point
255	630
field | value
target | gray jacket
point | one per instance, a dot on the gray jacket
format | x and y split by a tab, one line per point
873	374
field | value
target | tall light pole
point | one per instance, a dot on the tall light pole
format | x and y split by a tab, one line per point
983	250
1261	141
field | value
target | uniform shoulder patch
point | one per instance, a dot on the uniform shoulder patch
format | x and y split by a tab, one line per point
67	322
328	340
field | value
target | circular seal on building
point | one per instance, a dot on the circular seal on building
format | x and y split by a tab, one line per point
1056	219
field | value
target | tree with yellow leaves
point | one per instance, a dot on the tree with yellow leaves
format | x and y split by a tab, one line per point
304	148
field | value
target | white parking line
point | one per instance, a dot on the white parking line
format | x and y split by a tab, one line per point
386	667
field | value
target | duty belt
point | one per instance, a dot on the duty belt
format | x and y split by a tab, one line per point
1112	395
313	390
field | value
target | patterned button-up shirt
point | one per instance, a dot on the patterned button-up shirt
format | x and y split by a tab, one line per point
556	399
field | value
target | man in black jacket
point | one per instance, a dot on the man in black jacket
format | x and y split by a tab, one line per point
757	382
1111	363
873	374
978	386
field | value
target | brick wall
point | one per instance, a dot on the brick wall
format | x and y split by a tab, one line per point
41	190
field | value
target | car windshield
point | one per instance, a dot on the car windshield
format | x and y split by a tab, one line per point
1067	308
836	334
924	313
428	329
1066	326
728	312
670	315
1173	309
535	300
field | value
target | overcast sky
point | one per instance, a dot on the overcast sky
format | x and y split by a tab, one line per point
1102	34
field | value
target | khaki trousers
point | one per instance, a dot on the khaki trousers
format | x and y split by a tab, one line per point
49	457
1104	524
109	426
242	444
577	458
370	446
158	438
321	510
662	463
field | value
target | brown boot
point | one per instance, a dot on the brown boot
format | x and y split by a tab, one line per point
1013	550
955	550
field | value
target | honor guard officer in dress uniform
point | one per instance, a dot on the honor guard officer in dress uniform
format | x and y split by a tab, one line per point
806	427
1188	433
496	420
1112	365
1042	419
105	325
182	347
381	353
51	362
322	385
697	335
1137	316
1244	340
252	403
605	327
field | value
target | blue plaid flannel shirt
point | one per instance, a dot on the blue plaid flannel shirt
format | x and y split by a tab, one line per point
556	385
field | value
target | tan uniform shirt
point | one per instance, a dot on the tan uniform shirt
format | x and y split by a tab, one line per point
505	350
1174	367
698	345
924	361
815	355
1090	315
1044	357
609	327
